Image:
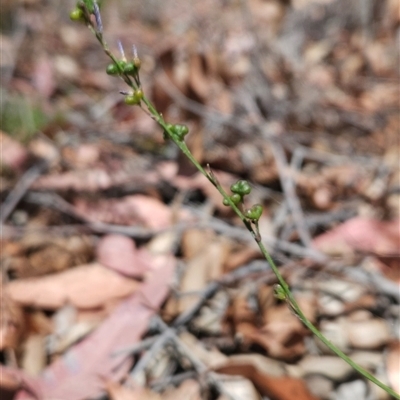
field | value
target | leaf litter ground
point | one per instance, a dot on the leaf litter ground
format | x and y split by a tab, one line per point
124	276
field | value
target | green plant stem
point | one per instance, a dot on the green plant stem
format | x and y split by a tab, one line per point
289	296
253	230
296	308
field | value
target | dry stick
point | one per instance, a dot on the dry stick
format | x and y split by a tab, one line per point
174	380
212	288
197	364
159	344
290	193
145	344
169	335
20	189
328	158
252	229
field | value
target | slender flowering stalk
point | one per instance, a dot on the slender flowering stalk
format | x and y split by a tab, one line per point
128	71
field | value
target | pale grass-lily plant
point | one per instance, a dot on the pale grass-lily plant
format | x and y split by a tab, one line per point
87	12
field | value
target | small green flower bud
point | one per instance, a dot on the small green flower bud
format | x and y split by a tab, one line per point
130	100
76	14
134	98
254	213
130	69
180	131
137	63
236	199
241	187
112	69
138	94
279	292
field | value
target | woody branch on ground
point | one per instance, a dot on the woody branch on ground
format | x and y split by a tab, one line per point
88	12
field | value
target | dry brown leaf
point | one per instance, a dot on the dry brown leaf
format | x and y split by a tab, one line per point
92	180
282	334
85	156
363	234
82	372
87	286
70	325
205	266
381	58
118	392
263	364
129	210
379	97
42	254
332	367
241	311
34	355
241	256
275	387
198	80
12	322
369	334
13	154
195	241
237	387
210	357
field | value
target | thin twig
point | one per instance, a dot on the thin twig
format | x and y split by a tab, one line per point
20	189
290	193
212	288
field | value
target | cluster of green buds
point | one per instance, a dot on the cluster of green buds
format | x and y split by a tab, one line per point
240	189
179	131
130	68
133	99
